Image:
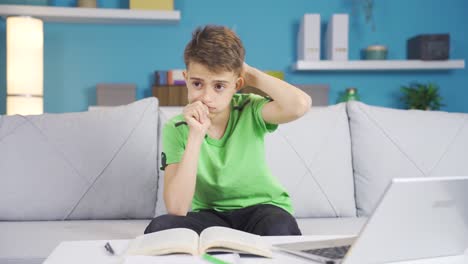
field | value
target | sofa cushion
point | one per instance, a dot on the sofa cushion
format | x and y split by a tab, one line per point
314	154
31	242
312	158
90	165
389	143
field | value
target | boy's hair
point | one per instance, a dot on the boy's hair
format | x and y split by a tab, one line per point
216	47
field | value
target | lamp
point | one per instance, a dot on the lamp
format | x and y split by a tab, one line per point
25	66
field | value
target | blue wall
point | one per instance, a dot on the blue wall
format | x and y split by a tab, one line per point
77	56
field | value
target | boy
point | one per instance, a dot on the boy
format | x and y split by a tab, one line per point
214	156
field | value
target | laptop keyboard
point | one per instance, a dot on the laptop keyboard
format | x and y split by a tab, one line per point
331	253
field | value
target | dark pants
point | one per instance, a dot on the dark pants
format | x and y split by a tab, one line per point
261	219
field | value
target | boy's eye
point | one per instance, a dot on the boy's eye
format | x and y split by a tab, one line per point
219	87
196	84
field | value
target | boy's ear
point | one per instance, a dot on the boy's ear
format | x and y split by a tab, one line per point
184	73
240	83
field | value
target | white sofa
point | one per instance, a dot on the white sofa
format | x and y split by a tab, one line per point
95	175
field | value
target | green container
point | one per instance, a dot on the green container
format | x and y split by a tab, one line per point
350	94
376	52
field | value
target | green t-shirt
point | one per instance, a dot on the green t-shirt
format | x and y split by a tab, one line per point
232	171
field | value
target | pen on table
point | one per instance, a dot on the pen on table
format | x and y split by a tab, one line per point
109	248
213	259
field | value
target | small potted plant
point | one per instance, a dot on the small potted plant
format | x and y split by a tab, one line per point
421	96
367	7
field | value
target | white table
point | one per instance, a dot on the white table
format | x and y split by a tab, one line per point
92	251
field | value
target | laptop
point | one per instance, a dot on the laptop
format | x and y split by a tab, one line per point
416	218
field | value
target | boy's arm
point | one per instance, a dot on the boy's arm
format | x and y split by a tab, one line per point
289	103
180	178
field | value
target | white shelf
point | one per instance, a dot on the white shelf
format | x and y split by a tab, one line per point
371	65
91	15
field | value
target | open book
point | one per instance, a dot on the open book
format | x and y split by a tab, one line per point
212	239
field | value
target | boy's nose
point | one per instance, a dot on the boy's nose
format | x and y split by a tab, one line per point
207	95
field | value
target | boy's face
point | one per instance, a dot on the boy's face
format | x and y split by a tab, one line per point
215	90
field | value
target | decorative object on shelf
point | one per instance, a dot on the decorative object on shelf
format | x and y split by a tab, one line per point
318	92
114	94
336	37
376	52
429	47
171	95
308	38
152	4
421	96
367	7
351	94
25	66
277	74
87	3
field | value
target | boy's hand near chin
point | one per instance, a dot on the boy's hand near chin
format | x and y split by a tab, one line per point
196	116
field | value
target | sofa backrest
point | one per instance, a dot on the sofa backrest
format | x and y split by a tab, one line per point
391	143
90	165
312	159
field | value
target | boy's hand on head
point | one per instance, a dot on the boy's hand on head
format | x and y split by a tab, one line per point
196	116
246	73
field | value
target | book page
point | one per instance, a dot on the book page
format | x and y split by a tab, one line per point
176	240
222	237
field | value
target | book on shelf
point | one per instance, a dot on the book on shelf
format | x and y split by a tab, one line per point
169	77
175	77
212	239
336	37
308	39
160	77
